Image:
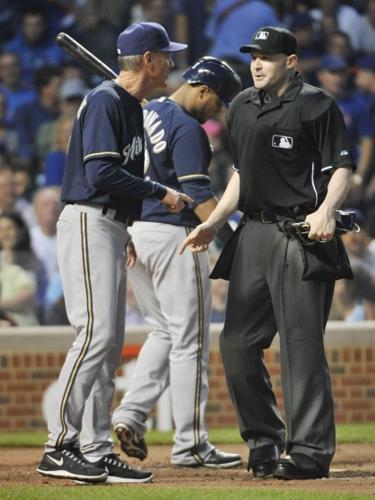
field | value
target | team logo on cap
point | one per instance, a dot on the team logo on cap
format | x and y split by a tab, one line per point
282	142
262	35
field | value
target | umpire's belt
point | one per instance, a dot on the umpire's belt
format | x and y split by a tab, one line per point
109	212
272	216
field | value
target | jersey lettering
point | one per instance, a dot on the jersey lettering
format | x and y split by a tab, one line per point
155	134
132	150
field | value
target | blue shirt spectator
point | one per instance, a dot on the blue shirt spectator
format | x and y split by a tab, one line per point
191	15
233	23
333	76
32	44
16	92
31	116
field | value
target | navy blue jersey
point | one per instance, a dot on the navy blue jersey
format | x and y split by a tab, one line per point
106	153
178	154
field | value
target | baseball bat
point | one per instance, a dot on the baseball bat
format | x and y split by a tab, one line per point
84	56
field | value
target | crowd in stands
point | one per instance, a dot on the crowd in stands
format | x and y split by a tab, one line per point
42	87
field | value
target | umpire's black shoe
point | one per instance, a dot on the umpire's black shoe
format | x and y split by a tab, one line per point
121	472
291	468
262	460
130	443
69	463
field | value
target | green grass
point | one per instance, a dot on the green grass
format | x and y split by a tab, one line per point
152	493
346	433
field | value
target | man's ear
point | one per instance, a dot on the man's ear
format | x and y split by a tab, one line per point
291	61
203	91
147	58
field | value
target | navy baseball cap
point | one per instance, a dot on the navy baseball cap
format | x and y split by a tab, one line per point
272	40
139	38
333	63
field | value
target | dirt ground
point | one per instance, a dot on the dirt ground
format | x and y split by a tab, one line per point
353	471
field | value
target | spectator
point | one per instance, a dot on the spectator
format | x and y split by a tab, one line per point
354	300
334	16
221	162
17	92
7	191
365	82
219	300
55	159
47	208
366	29
333	76
31	116
32	44
18	283
359	246
23	187
8	136
309	50
71	94
339	45
97	35
164	12
8	18
231	24
190	21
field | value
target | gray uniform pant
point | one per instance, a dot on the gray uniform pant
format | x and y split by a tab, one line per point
91	260
174	295
266	295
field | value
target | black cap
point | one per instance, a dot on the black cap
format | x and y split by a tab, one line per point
272	40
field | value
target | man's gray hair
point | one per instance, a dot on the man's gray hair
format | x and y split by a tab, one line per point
130	63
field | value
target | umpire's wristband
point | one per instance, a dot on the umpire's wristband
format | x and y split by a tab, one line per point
225	232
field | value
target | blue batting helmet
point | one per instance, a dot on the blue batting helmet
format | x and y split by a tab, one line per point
217	75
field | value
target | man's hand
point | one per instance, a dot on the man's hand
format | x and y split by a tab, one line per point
322	224
199	239
131	255
175	201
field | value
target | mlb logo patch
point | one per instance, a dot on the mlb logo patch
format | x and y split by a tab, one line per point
262	35
282	142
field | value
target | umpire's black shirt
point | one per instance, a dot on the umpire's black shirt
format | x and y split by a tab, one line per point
286	149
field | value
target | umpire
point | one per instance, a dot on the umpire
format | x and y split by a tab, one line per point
292	163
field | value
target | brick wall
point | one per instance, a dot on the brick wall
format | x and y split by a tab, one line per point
30	363
353	380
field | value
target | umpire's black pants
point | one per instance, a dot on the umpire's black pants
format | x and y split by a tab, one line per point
266	295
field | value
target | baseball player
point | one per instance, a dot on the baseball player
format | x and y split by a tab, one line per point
174	293
103	189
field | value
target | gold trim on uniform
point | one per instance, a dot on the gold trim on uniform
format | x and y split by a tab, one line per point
192	177
89	328
100	155
198	386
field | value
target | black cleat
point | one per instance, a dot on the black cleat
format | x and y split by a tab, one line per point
130	443
121	472
69	463
216	459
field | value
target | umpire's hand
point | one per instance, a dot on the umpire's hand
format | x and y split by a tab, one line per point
175	201
322	224
199	239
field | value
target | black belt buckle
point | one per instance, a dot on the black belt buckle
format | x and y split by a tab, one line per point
264	217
